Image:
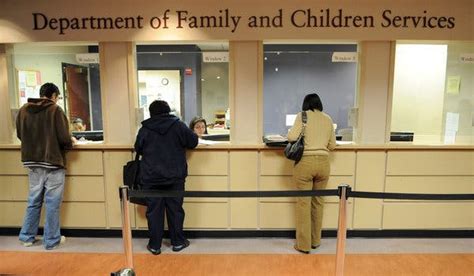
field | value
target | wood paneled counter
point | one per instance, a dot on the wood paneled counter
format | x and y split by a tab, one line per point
95	173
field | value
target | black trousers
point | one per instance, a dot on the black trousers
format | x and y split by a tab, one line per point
155	214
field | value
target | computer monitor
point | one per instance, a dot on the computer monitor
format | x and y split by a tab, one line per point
93	135
401	136
216	137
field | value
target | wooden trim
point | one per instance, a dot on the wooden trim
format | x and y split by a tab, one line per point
262	147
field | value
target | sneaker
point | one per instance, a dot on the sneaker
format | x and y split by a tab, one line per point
153	251
61	241
177	248
28	244
315	246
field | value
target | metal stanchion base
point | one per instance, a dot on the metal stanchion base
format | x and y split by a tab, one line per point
123	272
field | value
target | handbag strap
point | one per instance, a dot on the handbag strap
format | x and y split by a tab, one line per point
137	156
304	118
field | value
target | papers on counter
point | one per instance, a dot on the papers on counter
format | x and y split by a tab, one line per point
344	142
209	142
274	138
87	142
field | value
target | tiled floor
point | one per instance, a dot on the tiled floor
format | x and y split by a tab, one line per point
255	246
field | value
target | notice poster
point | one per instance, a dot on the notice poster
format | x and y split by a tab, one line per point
451	127
29	83
453	84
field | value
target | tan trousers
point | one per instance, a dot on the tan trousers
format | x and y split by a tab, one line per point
312	172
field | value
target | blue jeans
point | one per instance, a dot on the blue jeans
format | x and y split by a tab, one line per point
44	184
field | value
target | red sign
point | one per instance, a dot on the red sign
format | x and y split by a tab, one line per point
188	71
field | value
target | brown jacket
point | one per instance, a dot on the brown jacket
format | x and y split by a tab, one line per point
43	129
319	133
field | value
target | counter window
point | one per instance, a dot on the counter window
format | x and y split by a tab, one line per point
73	68
433	92
193	79
291	71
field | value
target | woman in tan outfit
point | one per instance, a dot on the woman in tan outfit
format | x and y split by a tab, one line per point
312	171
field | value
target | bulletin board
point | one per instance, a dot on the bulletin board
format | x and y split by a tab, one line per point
29	84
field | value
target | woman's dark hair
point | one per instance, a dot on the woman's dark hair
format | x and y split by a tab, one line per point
158	107
196	120
48	89
312	102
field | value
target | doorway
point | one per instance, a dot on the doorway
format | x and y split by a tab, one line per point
160	85
76	93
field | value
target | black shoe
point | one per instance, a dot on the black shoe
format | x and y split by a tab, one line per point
301	251
177	248
315	246
153	251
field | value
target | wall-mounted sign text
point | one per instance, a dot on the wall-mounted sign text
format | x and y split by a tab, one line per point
215	57
227	20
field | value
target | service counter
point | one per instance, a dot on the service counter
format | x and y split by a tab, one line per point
95	172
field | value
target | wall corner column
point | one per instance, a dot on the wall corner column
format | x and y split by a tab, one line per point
376	67
246	91
6	123
117	78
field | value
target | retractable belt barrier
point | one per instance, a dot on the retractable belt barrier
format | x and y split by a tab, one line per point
343	192
290	193
298	193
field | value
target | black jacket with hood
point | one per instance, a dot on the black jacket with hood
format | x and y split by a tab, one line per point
162	141
43	129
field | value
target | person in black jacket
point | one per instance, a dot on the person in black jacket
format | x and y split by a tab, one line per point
162	142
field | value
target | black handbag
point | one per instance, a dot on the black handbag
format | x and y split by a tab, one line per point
294	150
131	178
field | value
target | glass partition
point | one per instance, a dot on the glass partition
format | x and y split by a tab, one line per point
292	71
433	93
74	68
193	79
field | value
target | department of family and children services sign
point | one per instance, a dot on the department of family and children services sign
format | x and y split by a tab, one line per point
152	20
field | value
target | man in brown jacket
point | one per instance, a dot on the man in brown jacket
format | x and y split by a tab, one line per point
43	130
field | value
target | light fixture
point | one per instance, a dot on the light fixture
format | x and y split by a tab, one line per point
276	69
218	77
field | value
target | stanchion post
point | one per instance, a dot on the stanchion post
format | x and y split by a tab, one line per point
341	229
126	229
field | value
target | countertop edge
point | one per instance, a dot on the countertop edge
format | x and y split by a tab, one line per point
262	147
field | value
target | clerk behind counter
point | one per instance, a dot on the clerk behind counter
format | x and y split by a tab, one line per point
79	132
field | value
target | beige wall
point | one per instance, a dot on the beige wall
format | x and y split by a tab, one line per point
17	23
46	59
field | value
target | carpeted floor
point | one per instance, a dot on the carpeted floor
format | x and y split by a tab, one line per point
49	263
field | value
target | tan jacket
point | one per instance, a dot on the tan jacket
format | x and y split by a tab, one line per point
319	134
